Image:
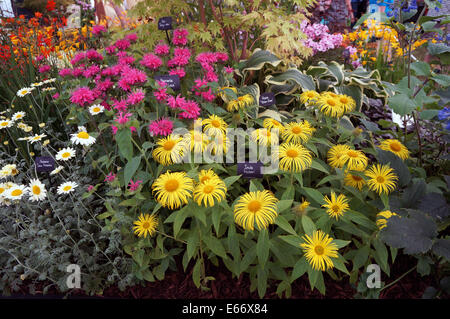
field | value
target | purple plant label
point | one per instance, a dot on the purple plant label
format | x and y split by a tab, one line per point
172	81
165	23
267	99
44	164
249	170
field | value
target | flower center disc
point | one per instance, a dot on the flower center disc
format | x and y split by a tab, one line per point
208	189
254	206
169	145
352	154
357	178
335	208
319	250
215	123
16	192
83	135
36	190
96	109
65	155
146	225
343	100
296	130
292	153
67	188
331	102
395	147
380	179
172	185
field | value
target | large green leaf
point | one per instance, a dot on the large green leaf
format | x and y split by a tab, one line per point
260	58
123	138
292	76
131	168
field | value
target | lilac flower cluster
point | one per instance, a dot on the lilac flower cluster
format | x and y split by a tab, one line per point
319	38
84	5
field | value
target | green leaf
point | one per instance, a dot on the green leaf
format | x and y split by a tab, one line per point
402	104
308	225
215	245
421	68
300	268
196	273
262	247
284	224
291	239
314	194
192	244
382	253
339	264
292	76
319	165
123	138
259	58
180	217
341	243
262	282
131	168
283	205
361	256
395	162
230	180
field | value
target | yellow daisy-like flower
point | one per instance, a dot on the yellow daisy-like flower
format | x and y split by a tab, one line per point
336	205
207	175
348	104
395	147
335	154
16	192
329	94
382	178
18	115
37	190
208	192
145	225
82	137
65	154
301	208
355	160
222	92
298	132
330	106
354	181
382	218
170	150
262	136
269	124
309	97
240	102
256	207
214	125
6	123
196	140
173	189
294	157
319	249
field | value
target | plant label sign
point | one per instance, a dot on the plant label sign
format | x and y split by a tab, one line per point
250	170
172	81
267	99
44	164
165	23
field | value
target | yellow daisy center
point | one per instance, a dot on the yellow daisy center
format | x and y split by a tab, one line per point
335	208
83	135
67	188
171	185
310	95
145	225
204	179
343	100
352	154
254	206
396	147
36	190
292	153
319	250
208	189
4	123
296	130
1	190
357	178
380	179
96	109
16	192
331	102
169	145
65	155
215	123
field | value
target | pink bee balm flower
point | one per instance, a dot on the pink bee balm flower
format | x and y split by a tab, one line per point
200	82
122	44
180	72
162	49
132	37
55	96
82	96
135	97
65	72
90	188
123	118
111	49
208	96
191	110
133	129
151	61
134	185
161	94
162	127
228	69
180	36
44	68
110	177
121	105
98	29
114	129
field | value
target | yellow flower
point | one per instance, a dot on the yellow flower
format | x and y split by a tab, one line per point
240	102
382	179
173	189
214	125
207	175
309	97
209	191
298	132
145	225
395	147
170	150
256	207
294	157
347	102
335	154
337	205
330	106
262	136
301	209
382	218
269	124
355	181
197	141
355	160
319	249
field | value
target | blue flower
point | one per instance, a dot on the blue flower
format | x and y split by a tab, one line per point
444	114
447	127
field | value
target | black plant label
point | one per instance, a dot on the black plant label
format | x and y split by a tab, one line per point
44	164
165	23
267	99
172	81
250	170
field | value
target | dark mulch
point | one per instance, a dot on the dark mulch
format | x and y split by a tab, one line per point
178	285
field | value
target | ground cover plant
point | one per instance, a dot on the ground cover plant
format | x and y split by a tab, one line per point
150	138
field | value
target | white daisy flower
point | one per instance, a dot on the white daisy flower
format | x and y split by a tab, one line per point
37	190
37	137
67	187
16	192
36	84
24	91
57	170
6	123
8	170
49	80
96	109
82	137
65	154
18	115
51	88
3	189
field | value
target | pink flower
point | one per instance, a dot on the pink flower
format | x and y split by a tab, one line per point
191	110
134	185
151	61
111	49
200	82
162	127
132	37
94	55
180	36
104	85
122	44
228	70
65	72
180	72
90	188
114	129
161	94
77	72
44	68
82	96
39	58
172	102
135	97
55	96
98	29
78	58
211	77
162	49
128	59
110	177
133	129
208	95
121	105
123	118
91	71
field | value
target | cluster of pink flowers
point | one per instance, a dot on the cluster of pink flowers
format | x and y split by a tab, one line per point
44	68
199	90
151	61
83	96
207	60
163	127
180	37
319	38
162	49
98	29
